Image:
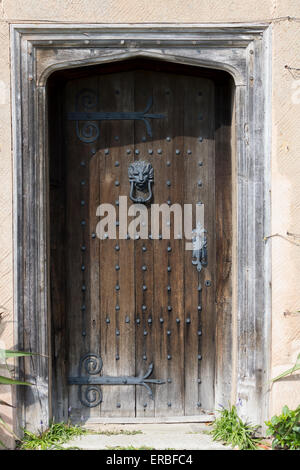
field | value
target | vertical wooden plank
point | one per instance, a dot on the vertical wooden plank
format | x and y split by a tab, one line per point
77	242
223	377
146	321
117	337
171	135
199	304
58	255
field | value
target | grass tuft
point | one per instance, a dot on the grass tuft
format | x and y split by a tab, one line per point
231	430
52	439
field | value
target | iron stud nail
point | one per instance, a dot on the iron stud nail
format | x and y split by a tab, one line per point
168	163
83	247
199	332
145	333
82	163
200	139
144	287
144	307
199	308
145	405
117	202
117	287
107	320
137	152
106	152
117	307
169	357
189	152
200	163
188	321
199	357
82	182
177	320
117	358
169	404
117	163
169	381
144	248
169	202
138	321
127	319
199	381
198	404
84	333
150	151
117	183
93	151
169	248
83	268
168	183
161	320
128	151
117	332
159	151
82	202
169	333
83	307
93	235
150	321
168	139
83	222
144	357
144	268
118	405
177	152
169	308
117	267
117	247
208	283
169	269
169	288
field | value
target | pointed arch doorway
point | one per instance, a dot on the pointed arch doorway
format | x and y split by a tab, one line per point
134	318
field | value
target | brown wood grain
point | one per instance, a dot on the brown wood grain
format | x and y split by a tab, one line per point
129	338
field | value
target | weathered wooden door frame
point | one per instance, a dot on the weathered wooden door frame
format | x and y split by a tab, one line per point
241	50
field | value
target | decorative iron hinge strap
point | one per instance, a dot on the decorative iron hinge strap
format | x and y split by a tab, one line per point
92	364
116	116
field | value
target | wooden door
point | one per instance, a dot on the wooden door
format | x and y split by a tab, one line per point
137	307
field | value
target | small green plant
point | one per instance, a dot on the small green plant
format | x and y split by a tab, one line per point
295	367
230	429
4	355
52	438
285	429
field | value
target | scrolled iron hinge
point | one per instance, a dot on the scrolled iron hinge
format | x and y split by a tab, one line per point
92	364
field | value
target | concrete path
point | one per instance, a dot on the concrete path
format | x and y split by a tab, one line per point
189	436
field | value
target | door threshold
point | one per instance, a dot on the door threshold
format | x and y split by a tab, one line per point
205	418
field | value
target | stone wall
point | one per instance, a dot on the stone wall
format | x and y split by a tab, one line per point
285	146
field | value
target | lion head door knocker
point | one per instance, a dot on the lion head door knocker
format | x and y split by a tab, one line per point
141	178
